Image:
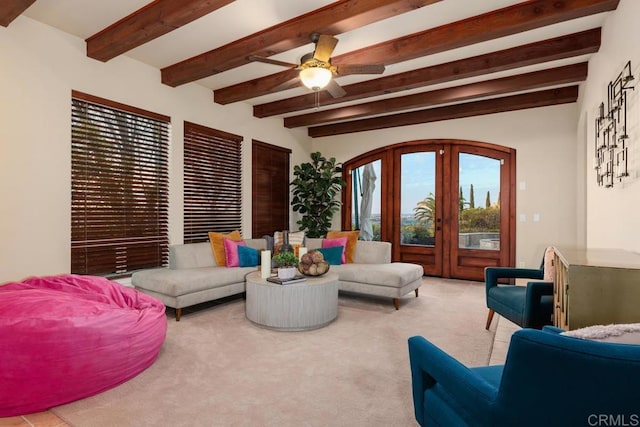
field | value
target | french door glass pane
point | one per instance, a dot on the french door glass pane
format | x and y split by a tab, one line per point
479	202
417	198
366	205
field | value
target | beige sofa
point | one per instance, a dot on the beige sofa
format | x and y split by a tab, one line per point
193	276
373	273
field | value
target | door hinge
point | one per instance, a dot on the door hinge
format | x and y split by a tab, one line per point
501	162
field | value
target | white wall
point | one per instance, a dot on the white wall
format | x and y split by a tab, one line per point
545	143
39	67
612	215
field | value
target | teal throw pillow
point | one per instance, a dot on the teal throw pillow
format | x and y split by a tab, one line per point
332	255
249	257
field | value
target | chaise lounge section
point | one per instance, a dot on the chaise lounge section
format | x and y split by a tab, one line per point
373	273
193	277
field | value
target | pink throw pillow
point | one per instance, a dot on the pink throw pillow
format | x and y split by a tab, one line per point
231	251
338	241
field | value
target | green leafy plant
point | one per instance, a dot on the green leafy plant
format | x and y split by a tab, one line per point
315	187
285	259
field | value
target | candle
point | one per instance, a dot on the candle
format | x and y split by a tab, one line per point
265	265
301	251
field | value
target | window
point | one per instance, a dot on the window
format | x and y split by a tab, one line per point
119	187
212	182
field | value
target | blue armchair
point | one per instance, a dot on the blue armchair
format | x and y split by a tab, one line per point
527	306
548	380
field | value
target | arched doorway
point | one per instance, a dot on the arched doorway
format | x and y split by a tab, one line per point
446	204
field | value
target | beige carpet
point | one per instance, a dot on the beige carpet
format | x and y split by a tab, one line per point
218	369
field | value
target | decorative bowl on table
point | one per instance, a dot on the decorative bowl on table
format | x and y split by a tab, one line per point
313	264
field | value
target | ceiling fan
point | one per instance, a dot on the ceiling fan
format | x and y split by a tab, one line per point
316	69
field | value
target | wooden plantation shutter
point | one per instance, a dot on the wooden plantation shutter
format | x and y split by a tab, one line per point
270	188
212	182
119	187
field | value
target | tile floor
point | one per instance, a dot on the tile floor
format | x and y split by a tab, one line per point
504	329
38	419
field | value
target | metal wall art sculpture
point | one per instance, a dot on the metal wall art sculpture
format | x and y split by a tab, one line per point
612	138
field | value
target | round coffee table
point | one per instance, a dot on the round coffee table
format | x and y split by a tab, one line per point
299	306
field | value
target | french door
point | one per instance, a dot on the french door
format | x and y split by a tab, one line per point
446	204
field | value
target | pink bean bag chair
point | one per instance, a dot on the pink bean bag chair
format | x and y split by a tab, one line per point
66	337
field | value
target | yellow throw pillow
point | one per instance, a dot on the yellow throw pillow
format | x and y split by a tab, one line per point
217	245
352	239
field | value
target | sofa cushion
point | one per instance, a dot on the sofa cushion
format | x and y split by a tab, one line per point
396	274
217	245
192	255
231	251
340	242
313	243
332	255
367	252
195	255
185	281
352	239
249	257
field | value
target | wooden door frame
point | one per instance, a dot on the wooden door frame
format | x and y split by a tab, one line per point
507	198
347	193
416	253
390	175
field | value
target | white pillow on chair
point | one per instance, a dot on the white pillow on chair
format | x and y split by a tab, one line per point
621	333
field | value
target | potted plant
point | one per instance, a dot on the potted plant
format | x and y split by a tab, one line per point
287	264
315	188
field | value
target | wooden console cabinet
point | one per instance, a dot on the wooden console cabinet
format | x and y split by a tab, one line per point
595	287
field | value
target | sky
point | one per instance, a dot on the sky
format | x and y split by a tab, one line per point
418	179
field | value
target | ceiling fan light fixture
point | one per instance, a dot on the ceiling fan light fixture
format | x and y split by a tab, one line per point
315	78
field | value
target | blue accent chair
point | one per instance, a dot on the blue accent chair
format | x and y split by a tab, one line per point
548	380
529	306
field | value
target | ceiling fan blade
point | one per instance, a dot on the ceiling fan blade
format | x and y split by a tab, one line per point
324	47
347	69
335	90
255	58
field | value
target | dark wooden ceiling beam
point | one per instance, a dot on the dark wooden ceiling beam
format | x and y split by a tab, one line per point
542	98
488	26
147	23
11	9
335	18
519	83
572	45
